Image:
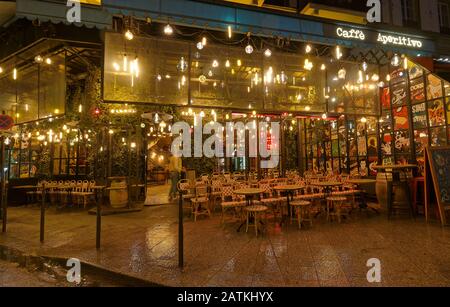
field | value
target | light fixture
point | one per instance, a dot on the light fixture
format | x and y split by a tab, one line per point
168	30
308	65
249	49
323	67
202	79
199	45
342	73
307	108
308	48
324	116
268	53
215	64
1	70
38	59
129	35
48	61
227	63
204	41
364	66
338	53
239	63
395	60
182	65
405	63
363	120
15	74
375	78
230	34
111	131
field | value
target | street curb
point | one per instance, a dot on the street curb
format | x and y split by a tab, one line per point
42	261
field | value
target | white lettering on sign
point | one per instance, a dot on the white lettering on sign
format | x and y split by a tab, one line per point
399	40
350	33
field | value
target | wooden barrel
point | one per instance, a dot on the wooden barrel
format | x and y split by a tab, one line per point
399	193
118	195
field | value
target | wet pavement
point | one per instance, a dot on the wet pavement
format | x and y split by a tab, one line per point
144	244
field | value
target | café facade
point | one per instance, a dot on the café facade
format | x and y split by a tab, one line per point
97	98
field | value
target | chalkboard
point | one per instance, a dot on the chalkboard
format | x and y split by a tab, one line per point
437	165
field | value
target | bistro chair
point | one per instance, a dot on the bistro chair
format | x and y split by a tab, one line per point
231	202
200	202
184	186
270	198
254	216
335	207
215	192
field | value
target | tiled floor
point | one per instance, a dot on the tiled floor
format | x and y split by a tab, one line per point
144	244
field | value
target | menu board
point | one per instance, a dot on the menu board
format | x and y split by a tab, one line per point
434	88
436	113
417	90
419	113
399	96
401	118
438	166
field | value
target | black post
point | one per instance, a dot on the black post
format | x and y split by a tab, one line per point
3	186
99	219
180	232
42	213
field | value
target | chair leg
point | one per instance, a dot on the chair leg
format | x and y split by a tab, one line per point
256	224
299	218
246	230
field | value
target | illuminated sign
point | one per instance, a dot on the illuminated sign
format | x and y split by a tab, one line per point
350	33
399	40
365	35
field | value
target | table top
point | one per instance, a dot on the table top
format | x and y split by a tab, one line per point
361	181
249	191
99	187
25	187
329	184
292	187
395	167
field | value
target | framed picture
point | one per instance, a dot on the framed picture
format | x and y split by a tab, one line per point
436	113
399	95
419	114
401	118
417	90
434	88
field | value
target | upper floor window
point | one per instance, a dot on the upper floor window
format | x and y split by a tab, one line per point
444	16
410	10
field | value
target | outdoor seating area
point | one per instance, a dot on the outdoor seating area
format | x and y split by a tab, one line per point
272	200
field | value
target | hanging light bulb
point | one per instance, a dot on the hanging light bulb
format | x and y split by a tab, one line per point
199	45
48	61
338	53
323	67
204	40
307	108
363	120
364	66
15	74
129	35
375	78
249	49
268	53
395	60
215	64
308	65
405	63
230	34
227	64
324	116
182	65
38	59
342	73
239	63
168	30
308	49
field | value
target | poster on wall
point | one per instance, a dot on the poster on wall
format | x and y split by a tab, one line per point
415	71
373	161
419	114
436	113
402	141
386	98
421	141
335	148
417	90
362	146
399	96
386	147
434	88
398	75
372	146
438	136
401	118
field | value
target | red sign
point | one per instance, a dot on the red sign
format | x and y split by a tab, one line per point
6	122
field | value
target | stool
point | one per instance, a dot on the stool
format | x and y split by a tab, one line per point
254	212
303	208
418	181
336	203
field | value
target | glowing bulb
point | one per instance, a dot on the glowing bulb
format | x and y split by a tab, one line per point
168	30
324	116
204	41
239	63
129	35
38	59
48	61
307	108
215	64
268	53
363	120
199	45
308	49
249	49
116	66
323	67
230	34
227	63
338	53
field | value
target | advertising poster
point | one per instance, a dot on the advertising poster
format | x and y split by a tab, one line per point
399	96
434	88
436	113
417	91
419	113
401	118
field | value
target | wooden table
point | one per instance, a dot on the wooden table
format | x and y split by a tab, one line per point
329	185
289	190
249	194
359	183
397	171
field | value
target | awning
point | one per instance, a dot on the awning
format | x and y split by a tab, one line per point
91	16
243	19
